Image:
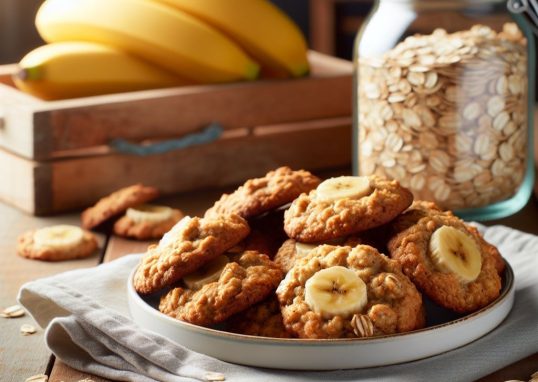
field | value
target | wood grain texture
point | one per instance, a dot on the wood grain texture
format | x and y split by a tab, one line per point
50	187
165	113
24	356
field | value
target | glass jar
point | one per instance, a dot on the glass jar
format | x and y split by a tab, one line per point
443	101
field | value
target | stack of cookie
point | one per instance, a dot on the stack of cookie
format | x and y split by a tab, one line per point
315	268
137	219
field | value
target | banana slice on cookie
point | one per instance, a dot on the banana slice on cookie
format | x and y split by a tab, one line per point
453	251
336	291
149	213
344	187
206	274
58	237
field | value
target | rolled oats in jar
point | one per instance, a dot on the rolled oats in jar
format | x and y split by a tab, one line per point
446	114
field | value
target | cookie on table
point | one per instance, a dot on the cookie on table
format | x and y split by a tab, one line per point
345	292
57	243
449	262
147	221
190	244
244	280
344	206
263	319
257	196
116	203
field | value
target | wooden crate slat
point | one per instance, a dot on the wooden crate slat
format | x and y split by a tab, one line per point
17	187
44	188
164	113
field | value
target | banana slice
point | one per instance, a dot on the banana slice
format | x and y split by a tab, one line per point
336	291
453	251
303	249
149	213
207	274
174	232
344	187
61	237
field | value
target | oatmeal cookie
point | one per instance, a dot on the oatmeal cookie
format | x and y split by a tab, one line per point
191	243
491	249
260	195
248	278
449	262
57	243
313	219
292	251
286	256
419	209
146	229
263	319
360	293
116	203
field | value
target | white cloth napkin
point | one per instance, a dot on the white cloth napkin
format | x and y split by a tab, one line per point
88	327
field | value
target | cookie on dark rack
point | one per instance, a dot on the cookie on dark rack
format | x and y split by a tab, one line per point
57	243
448	261
191	243
256	196
263	319
344	292
116	203
146	222
247	278
344	206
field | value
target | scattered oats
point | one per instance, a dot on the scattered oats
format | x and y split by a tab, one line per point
214	377
13	312
37	378
27	329
362	325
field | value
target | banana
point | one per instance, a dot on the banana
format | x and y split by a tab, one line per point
80	69
453	251
174	232
149	213
258	26
207	274
336	291
62	237
155	32
303	249
343	187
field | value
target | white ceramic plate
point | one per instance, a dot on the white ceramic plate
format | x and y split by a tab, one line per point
448	332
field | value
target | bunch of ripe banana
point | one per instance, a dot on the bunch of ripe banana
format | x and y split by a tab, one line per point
104	46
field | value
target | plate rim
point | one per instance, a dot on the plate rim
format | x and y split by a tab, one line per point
508	275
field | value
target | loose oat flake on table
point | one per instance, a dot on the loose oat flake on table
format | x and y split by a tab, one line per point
27	329
14	311
445	114
37	378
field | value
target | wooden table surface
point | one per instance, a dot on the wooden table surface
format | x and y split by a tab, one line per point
24	356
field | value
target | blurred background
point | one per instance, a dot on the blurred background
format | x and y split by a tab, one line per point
330	25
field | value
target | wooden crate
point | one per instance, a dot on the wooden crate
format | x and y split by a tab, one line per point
55	156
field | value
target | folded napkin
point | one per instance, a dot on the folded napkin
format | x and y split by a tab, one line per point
88	327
